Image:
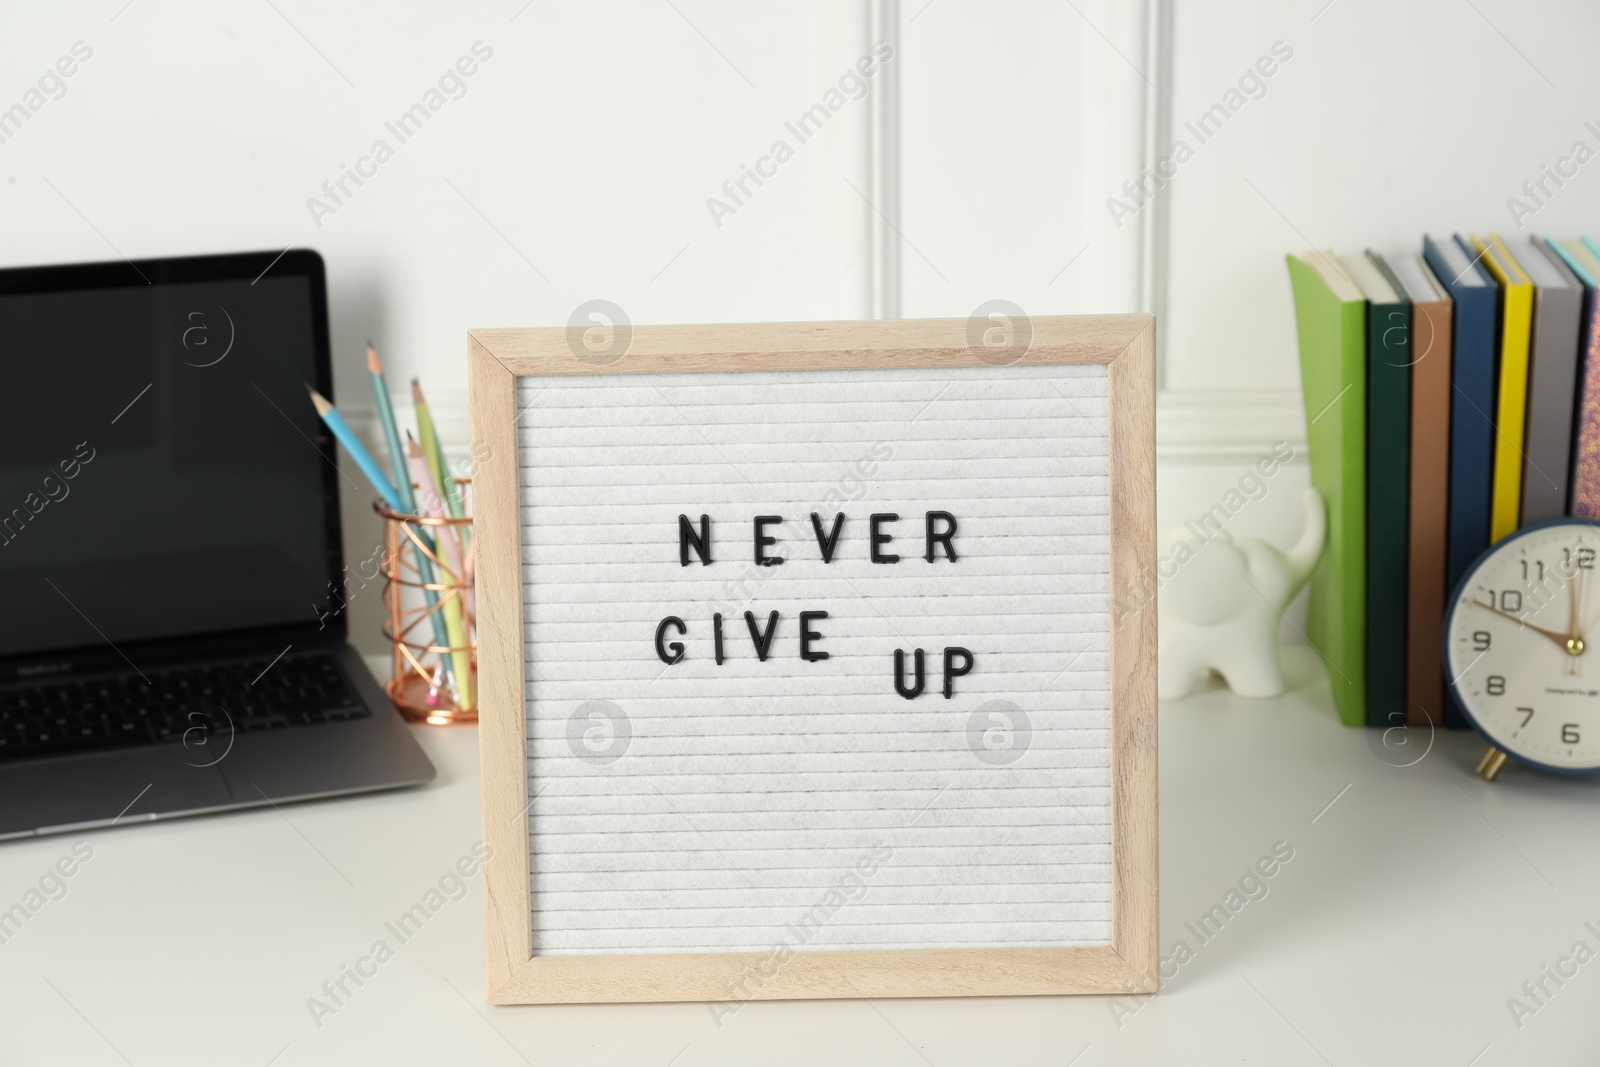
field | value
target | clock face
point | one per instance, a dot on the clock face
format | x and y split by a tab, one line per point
1518	645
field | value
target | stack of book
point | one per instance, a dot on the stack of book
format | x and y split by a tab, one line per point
1452	397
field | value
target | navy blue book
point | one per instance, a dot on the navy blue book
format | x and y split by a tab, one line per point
1472	403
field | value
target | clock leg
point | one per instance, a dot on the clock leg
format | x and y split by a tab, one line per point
1489	766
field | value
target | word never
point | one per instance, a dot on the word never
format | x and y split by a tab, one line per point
827	543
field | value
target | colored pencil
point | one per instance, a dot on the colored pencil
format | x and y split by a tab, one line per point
433	452
431	504
391	431
402	477
454	607
358	451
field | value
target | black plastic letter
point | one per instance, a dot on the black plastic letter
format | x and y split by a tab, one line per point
951	671
762	641
831	541
676	646
900	674
763	540
808	635
882	538
941	537
701	541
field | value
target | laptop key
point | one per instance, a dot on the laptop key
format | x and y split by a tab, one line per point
163	704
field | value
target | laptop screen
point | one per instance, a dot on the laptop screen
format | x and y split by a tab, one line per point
161	475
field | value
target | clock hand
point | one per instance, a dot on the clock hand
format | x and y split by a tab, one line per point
1574	636
1587	626
1584	632
1560	639
1575	642
1572	613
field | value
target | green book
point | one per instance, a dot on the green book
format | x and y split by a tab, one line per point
1388	485
1330	318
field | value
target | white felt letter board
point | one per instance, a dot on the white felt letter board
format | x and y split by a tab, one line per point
800	672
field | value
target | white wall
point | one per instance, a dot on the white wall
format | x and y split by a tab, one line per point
1015	120
576	166
1389	121
580	160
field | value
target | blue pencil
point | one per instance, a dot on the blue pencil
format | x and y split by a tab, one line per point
358	451
391	432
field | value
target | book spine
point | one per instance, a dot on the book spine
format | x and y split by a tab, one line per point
1552	381
1430	479
1331	337
1474	335
1388	505
1346	647
1511	410
1471	431
1586	454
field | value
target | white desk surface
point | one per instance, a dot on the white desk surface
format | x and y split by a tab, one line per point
1413	908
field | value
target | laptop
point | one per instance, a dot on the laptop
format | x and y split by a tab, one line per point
174	615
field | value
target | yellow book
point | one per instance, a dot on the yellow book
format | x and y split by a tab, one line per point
1511	408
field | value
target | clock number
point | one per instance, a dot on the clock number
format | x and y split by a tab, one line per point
1537	563
1480	640
1496	685
1569	732
1528	716
1586	558
1510	600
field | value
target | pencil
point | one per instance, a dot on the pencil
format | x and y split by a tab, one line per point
358	451
467	568
402	478
391	432
431	504
433	452
454	606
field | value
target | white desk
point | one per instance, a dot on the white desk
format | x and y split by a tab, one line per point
1412	909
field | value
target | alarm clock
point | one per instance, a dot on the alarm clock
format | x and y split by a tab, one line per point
1521	651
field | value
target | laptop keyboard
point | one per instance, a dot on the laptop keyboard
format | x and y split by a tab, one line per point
209	703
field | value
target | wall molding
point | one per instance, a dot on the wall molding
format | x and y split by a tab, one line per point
1154	221
1235	424
883	163
1194	425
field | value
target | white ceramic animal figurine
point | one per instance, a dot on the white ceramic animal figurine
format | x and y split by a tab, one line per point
1211	617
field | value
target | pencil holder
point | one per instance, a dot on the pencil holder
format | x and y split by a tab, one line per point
431	614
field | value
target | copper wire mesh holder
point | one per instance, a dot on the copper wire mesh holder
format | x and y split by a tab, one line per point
415	659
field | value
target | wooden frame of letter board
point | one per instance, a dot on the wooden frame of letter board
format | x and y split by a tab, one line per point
1126	345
